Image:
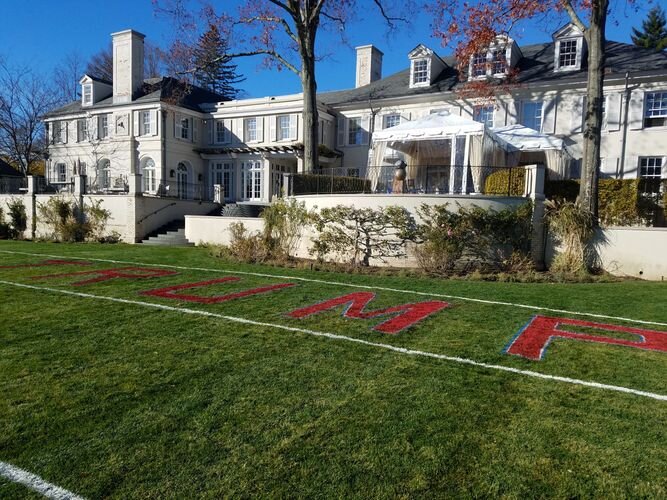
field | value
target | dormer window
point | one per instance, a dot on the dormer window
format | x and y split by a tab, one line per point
425	66
87	94
419	71
495	61
569	48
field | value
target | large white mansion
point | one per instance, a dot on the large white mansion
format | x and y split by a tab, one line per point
184	140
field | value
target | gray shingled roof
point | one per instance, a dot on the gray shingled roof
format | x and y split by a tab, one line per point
165	89
6	170
536	66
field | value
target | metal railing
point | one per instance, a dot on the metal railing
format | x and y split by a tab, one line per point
181	190
418	179
107	186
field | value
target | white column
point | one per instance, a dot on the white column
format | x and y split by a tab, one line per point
452	162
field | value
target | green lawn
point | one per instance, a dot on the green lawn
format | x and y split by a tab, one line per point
111	399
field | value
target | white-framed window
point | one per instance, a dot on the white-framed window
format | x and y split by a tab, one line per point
531	115
87	94
145	125
484	114
103	125
82	134
185	128
250	129
61	172
498	61
222	173
59	132
286	127
567	53
650	170
252	180
222	133
478	65
149	177
104	174
420	71
356	134
392	120
655	109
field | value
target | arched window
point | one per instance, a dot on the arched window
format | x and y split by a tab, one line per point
148	175
182	180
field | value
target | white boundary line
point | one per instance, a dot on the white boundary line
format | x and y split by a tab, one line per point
35	483
401	350
352	285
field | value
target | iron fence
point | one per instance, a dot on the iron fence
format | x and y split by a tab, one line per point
415	179
182	190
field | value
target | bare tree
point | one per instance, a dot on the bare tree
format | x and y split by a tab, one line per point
24	99
285	33
66	78
101	63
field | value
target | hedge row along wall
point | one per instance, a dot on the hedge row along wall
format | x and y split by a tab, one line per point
323	184
509	182
620	200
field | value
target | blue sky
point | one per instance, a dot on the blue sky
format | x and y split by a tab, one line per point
39	33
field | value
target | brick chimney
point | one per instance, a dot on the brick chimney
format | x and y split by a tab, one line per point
369	65
128	64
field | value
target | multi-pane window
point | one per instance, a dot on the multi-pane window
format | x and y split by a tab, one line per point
650	171
498	61
420	71
82	130
185	128
145	122
479	64
103	126
567	55
484	114
61	170
355	131
283	129
531	115
655	111
87	95
250	129
149	177
58	132
389	121
222	133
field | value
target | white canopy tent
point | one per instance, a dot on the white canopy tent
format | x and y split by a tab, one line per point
454	145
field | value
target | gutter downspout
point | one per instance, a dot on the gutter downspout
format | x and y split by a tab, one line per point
626	110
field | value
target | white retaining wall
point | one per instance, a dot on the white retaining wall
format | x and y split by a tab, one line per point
640	252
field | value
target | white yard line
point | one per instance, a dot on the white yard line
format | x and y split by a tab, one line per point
35	483
401	350
353	285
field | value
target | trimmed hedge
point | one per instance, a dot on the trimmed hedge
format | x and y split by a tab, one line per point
619	200
498	182
323	184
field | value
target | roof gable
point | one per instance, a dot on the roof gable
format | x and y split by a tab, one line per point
567	31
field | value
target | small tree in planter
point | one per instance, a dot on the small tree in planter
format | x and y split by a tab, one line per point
361	234
18	218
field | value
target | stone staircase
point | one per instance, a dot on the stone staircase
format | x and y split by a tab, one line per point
171	234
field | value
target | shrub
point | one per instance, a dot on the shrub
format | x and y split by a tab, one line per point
69	222
572	227
5	230
360	234
313	183
507	182
473	238
284	224
247	247
18	217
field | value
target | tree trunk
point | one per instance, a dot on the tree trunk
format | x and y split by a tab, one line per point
310	116
595	36
307	33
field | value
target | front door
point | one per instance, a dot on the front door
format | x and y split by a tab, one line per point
182	181
252	180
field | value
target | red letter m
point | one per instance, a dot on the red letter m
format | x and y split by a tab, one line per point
533	340
406	314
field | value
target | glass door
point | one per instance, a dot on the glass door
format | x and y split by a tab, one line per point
252	180
222	174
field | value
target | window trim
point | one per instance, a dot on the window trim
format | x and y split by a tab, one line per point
426	72
87	87
386	117
662	108
523	107
477	111
246	121
279	128
103	129
578	55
